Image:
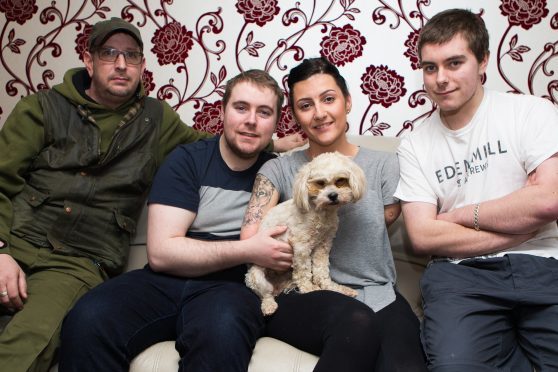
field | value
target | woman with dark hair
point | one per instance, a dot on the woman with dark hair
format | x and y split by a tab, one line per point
377	331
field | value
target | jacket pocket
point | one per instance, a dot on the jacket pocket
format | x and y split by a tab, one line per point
32	216
125	223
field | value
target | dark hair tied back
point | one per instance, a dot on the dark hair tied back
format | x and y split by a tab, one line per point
313	66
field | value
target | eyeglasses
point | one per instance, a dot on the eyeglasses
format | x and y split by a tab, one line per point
111	54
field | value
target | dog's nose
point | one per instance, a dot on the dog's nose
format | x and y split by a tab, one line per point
332	196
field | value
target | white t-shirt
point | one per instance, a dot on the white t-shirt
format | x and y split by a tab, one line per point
508	137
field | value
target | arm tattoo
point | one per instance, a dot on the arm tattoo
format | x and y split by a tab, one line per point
261	196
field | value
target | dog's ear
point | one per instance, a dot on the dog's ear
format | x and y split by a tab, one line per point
300	188
357	180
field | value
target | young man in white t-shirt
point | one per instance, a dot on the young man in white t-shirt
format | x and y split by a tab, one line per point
479	186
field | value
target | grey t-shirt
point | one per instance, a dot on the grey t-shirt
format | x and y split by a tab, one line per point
361	255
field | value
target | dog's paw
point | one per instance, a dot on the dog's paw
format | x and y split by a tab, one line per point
349	291
307	287
269	306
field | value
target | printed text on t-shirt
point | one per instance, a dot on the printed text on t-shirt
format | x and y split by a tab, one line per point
460	171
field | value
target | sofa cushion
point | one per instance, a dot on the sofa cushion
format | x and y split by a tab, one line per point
159	357
272	355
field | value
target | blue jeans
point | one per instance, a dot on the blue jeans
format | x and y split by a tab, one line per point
494	314
214	320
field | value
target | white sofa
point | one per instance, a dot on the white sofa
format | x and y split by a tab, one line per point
272	355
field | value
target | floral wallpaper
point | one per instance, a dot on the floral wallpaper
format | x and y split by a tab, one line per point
193	48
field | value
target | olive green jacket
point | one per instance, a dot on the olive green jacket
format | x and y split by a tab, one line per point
75	185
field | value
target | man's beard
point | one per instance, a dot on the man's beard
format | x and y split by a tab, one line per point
239	152
127	92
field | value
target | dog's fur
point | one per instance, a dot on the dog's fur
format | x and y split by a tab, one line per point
320	188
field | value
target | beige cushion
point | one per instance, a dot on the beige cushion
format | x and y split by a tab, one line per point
160	357
271	355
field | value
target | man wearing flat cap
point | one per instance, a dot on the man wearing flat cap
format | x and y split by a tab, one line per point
76	163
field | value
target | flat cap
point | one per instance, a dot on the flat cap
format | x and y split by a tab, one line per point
104	29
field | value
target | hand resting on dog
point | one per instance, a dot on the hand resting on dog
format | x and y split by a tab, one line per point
266	250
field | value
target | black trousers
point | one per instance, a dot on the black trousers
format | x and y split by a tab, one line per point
347	335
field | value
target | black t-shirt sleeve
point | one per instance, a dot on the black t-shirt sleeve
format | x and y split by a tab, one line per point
176	183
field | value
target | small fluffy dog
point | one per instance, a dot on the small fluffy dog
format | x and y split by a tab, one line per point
321	186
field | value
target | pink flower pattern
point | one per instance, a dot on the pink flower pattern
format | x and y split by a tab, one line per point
258	11
382	85
172	43
209	118
343	45
18	10
524	13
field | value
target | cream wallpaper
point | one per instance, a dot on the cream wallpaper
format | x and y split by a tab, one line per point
192	48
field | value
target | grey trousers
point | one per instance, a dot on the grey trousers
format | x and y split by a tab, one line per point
494	314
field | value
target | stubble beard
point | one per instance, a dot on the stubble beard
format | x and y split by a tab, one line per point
122	93
237	150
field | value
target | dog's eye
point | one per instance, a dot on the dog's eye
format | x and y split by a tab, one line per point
320	183
342	182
